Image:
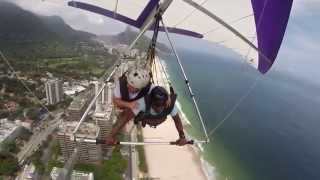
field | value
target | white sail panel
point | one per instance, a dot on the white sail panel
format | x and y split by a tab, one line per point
109	4
131	8
231	23
182	15
128	8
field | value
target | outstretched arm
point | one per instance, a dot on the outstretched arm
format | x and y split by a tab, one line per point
182	139
124	104
126	116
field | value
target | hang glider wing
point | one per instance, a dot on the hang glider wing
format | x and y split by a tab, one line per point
252	28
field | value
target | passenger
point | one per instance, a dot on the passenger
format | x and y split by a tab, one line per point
130	87
153	110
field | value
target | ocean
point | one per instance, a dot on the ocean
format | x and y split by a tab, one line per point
271	135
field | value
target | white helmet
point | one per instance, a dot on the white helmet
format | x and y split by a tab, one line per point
138	78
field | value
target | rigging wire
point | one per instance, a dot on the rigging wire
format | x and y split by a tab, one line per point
187	82
214	29
235	107
251	88
154	67
115	9
157	71
230	28
4	58
188	15
164	72
231	22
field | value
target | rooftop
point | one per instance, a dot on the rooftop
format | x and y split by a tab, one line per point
80	100
76	175
53	81
104	111
6	128
28	172
86	129
73	89
77	104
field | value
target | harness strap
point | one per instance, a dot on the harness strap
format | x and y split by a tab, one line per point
125	93
143	116
164	113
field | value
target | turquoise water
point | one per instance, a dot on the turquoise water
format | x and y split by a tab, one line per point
271	135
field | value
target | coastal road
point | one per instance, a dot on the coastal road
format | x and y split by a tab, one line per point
133	156
132	170
37	139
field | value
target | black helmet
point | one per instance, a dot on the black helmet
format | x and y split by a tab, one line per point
159	96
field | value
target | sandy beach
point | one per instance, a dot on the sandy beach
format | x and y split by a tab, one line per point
167	162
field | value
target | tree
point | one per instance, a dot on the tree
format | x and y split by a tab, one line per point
36	160
51	107
24	102
33	113
115	166
10	147
8	164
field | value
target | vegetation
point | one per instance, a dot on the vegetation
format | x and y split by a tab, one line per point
35	44
83	67
13	90
33	113
142	158
10	147
25	135
61	105
36	160
44	168
25	35
55	149
129	35
15	86
8	164
13	115
115	166
53	163
55	153
109	169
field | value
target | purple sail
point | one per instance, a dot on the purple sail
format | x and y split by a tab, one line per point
271	18
136	23
270	22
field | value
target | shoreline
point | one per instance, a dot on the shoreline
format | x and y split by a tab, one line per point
208	169
173	162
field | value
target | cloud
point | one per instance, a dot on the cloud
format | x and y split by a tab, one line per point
76	18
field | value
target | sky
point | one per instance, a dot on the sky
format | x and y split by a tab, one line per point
76	18
298	55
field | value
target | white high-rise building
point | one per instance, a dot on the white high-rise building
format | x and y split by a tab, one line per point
88	151
75	175
54	91
101	99
103	114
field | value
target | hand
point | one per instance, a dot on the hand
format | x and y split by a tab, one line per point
133	105
111	141
181	142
